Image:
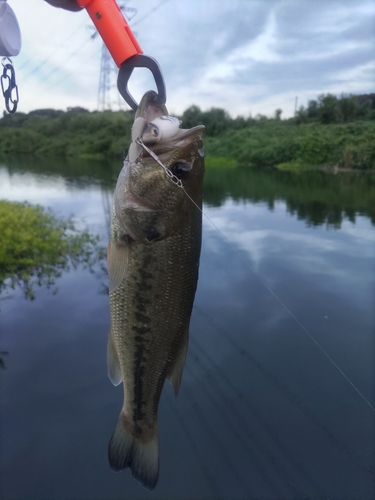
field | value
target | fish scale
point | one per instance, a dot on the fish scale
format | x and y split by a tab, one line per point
153	260
169	290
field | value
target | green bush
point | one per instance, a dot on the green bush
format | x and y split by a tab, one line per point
20	140
360	156
36	246
323	134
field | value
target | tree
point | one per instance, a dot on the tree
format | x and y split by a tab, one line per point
216	121
312	109
366	110
301	115
329	109
191	117
349	107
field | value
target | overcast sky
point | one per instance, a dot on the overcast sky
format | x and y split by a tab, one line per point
246	56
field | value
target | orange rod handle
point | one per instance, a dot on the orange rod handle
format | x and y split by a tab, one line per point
113	28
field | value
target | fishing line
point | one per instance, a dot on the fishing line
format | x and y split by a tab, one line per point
149	13
282	304
178	182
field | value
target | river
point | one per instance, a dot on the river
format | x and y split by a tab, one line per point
283	317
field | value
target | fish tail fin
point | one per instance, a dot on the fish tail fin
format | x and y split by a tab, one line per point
138	452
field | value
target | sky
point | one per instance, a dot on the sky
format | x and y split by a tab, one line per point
246	56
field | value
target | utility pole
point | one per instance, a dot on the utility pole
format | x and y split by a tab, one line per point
295	106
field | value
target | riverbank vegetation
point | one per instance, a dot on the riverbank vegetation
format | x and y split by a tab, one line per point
329	132
36	246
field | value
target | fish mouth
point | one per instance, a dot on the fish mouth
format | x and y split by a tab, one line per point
150	108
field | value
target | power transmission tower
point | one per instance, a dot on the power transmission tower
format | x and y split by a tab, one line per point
107	82
108	95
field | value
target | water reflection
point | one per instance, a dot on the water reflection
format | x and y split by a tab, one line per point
317	197
39	246
261	414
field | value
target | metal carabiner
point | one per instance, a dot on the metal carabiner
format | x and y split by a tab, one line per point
126	69
10	92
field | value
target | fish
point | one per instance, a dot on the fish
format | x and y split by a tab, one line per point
153	261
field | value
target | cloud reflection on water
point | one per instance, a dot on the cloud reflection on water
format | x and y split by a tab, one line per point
261	413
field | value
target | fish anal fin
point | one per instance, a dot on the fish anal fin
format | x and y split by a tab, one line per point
117	258
132	448
175	373
113	364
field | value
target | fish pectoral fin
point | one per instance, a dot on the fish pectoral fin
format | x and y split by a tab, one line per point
175	373
113	364
138	452
118	257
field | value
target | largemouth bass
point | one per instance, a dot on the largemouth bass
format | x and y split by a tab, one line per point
153	259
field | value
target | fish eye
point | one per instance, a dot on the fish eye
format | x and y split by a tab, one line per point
181	169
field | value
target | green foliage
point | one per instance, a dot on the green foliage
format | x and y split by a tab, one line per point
360	156
329	109
348	107
19	140
315	196
272	142
290	166
75	132
263	145
220	162
36	246
216	120
329	131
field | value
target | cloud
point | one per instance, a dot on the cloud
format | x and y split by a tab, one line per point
242	55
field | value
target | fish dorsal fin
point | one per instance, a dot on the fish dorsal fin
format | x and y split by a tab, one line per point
175	373
118	257
113	364
138	128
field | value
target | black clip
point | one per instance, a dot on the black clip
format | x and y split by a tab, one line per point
140	61
10	91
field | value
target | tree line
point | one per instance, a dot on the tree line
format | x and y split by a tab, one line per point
331	109
326	109
329	131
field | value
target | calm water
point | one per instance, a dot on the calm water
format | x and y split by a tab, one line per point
262	413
